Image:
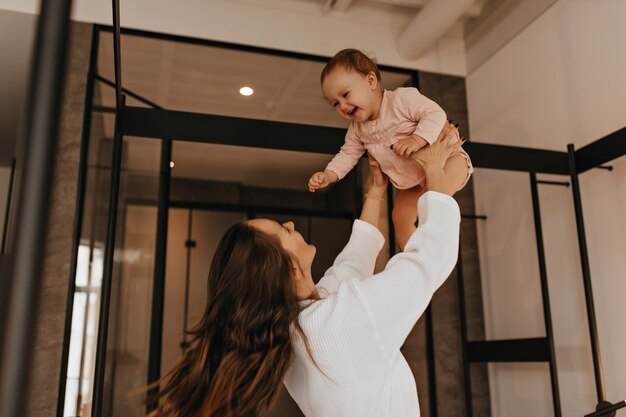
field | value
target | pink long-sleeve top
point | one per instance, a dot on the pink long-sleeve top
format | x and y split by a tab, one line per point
403	112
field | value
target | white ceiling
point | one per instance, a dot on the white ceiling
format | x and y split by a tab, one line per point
203	79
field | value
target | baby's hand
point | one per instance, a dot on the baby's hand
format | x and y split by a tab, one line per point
321	180
406	147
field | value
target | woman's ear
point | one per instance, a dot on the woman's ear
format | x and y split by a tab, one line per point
296	272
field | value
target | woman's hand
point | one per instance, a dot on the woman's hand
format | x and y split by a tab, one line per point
439	151
433	158
375	196
378	181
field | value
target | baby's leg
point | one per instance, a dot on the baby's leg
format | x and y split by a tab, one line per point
405	213
456	171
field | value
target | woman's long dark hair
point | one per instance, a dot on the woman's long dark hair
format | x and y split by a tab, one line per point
241	348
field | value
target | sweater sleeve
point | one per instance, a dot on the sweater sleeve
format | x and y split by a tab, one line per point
348	155
356	260
398	296
428	115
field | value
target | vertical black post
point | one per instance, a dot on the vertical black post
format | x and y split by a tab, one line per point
7	210
189	244
467	376
109	250
158	286
430	336
545	295
430	362
584	260
107	273
358	191
38	150
117	59
78	223
392	233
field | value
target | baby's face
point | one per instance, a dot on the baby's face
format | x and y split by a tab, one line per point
351	94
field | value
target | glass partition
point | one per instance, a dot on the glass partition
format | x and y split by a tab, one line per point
129	319
211	186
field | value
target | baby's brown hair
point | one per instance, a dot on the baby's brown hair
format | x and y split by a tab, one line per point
353	60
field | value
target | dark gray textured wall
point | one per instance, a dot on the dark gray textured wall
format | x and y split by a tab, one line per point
450	93
48	337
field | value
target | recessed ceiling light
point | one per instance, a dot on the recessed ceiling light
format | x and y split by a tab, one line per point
171	164
246	91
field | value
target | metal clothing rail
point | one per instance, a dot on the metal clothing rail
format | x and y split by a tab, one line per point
584	259
539	349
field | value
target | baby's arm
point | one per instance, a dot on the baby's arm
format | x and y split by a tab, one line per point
428	115
341	164
322	179
408	146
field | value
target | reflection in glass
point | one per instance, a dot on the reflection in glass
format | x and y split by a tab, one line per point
129	319
206	79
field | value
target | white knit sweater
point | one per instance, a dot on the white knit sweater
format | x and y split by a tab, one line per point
356	330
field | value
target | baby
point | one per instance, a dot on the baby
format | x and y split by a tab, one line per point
390	126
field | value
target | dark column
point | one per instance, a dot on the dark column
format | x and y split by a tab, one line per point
42	123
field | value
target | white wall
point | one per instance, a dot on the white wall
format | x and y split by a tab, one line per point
559	81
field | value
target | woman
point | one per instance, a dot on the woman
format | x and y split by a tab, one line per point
336	345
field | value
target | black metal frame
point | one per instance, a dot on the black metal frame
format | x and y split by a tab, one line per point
547	312
7	211
429	326
253	210
189	244
240	47
109	249
467	377
539	349
585	159
158	287
584	259
167	125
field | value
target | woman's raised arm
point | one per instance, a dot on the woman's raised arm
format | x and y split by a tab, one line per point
398	296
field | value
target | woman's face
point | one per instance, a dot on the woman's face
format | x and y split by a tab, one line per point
292	240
